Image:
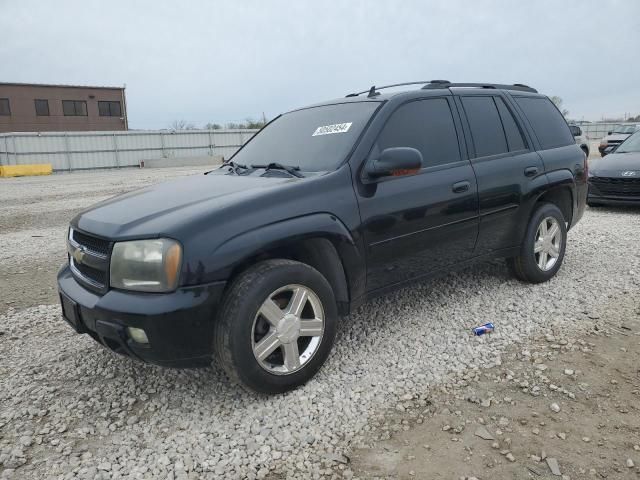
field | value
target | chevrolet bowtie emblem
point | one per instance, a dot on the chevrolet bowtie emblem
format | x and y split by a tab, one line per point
78	254
628	174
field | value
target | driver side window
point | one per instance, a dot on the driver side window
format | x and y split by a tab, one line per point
426	125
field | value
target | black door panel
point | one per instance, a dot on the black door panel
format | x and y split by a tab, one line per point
504	188
507	169
414	225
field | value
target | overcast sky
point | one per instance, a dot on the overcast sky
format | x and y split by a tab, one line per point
220	61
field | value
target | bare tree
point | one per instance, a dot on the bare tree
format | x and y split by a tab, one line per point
558	102
181	125
249	123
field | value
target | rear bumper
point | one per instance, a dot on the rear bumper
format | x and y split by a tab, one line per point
179	325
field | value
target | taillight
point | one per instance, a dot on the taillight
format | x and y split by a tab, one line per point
586	166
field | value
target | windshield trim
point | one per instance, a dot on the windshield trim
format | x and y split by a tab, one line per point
362	133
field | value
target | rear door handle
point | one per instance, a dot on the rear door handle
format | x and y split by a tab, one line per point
460	187
530	171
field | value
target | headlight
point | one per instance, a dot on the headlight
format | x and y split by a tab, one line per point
146	265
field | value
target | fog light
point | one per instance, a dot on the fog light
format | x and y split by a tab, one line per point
138	335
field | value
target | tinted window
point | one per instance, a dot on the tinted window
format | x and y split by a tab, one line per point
315	139
486	127
74	108
42	107
4	106
427	126
511	129
546	121
109	109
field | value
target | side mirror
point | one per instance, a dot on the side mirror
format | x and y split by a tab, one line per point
575	130
609	132
395	161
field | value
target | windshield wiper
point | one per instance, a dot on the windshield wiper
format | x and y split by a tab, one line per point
233	166
293	170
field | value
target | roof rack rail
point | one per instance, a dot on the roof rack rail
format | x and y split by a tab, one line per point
446	84
373	91
428	84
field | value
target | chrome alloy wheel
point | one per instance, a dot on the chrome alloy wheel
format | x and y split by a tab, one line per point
287	330
546	248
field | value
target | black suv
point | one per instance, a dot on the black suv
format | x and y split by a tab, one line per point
252	264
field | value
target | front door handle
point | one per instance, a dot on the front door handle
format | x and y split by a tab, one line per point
460	187
530	171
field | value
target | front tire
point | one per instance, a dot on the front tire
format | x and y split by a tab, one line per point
544	245
276	326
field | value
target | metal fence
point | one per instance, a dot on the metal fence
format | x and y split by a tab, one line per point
89	150
597	130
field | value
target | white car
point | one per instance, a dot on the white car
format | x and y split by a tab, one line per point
615	137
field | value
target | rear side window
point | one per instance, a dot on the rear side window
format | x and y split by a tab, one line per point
427	126
486	127
511	129
546	121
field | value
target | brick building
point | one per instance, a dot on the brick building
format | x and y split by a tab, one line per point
26	107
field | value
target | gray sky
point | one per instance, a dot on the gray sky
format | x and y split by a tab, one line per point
219	61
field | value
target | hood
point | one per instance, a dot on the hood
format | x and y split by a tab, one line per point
616	137
157	210
614	164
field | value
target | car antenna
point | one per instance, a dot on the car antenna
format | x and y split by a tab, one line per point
372	92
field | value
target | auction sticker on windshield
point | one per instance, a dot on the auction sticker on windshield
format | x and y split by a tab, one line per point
335	128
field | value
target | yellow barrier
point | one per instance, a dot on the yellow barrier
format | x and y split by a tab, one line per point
25	170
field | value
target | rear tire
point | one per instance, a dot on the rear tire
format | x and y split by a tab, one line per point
276	326
543	247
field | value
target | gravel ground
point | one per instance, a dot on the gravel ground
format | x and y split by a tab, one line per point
573	401
71	409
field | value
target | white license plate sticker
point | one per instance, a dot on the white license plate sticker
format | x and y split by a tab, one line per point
330	129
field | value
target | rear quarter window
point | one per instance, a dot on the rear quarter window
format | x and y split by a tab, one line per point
547	122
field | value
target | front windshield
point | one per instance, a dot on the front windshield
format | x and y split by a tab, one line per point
631	144
624	129
315	139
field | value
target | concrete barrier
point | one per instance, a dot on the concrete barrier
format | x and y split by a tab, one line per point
25	170
182	162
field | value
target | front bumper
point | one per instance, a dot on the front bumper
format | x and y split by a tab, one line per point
179	325
596	197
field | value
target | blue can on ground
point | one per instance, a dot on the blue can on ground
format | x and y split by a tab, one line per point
482	329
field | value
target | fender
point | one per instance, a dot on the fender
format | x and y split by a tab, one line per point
226	257
564	178
557	179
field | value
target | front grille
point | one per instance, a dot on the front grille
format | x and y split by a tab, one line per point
89	259
93	274
92	243
618	187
